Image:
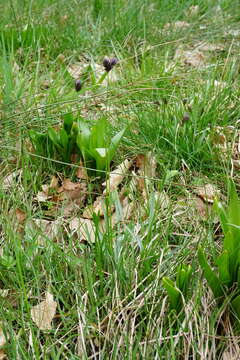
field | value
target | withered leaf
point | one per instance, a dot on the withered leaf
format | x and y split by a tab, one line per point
21	215
43	313
117	176
207	192
85	228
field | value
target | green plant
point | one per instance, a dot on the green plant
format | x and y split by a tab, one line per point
226	281
53	143
76	137
95	147
177	291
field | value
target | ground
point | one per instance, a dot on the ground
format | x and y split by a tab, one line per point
86	258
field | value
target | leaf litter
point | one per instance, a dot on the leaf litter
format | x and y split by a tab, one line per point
43	313
67	202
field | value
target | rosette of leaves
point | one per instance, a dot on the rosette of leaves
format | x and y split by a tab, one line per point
96	147
224	277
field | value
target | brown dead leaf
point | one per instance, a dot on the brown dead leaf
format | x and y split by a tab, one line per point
85	228
43	313
207	192
21	215
81	172
117	176
147	165
126	212
97	208
3	355
9	180
54	183
76	70
42	196
50	229
73	191
190	57
201	207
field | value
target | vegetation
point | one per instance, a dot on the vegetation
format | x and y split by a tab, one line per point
119	179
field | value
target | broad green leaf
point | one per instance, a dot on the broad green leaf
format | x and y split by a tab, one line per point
173	292
114	144
98	134
83	138
223	268
212	279
54	137
64	139
68	122
234	207
99	155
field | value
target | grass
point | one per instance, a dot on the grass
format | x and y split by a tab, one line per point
111	303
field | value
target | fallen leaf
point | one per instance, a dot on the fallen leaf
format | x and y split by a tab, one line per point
73	191
10	180
85	228
43	228
81	172
42	196
54	183
43	313
97	208
117	176
207	192
201	207
76	70
21	215
3	355
190	57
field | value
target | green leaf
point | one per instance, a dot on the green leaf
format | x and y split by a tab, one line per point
183	276
173	292
64	139
212	279
100	156
114	144
83	137
68	122
54	137
98	134
223	268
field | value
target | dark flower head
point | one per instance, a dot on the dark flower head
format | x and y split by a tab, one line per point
78	85
109	63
